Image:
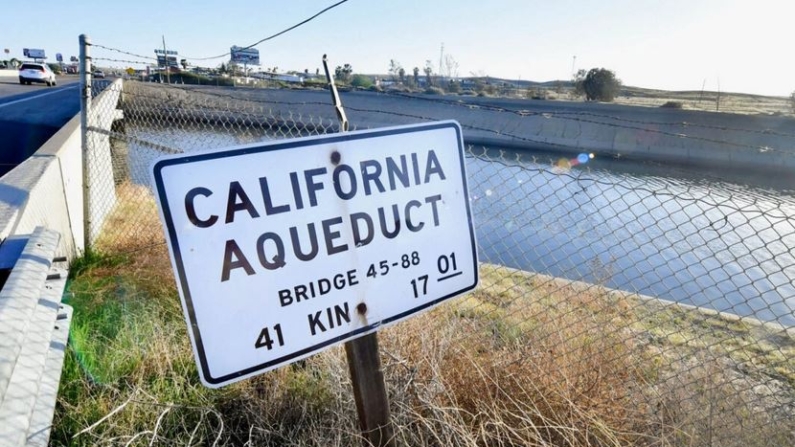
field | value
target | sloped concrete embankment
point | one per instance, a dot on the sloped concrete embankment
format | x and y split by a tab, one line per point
640	133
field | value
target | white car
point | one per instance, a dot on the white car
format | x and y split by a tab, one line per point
31	72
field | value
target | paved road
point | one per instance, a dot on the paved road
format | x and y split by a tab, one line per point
10	86
31	114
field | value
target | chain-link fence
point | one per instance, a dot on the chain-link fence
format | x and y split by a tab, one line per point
624	302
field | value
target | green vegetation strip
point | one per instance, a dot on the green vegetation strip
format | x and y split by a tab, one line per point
523	360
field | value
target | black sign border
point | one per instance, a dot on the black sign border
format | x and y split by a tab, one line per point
157	169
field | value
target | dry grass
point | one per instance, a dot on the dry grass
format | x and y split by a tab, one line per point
709	101
525	360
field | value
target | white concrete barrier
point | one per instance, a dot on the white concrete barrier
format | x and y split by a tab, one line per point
47	188
6	73
42	194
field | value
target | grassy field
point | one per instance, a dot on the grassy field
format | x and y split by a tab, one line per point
153	95
523	360
709	101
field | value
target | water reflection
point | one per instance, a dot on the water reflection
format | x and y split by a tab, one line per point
655	230
711	244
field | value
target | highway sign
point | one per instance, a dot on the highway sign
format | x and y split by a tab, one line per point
166	58
239	55
58	57
283	249
33	53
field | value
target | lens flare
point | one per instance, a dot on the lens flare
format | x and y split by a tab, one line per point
563	164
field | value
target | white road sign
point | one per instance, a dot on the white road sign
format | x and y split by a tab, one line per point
283	249
33	53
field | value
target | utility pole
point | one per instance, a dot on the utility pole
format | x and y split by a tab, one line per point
441	58
165	59
573	62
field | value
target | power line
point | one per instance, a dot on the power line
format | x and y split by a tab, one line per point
272	36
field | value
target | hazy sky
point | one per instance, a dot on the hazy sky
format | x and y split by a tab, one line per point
739	45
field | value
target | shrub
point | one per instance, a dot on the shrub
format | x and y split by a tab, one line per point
599	84
434	91
673	105
535	93
361	81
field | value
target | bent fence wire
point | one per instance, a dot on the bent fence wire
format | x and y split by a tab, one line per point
672	294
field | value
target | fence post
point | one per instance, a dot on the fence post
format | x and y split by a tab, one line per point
85	112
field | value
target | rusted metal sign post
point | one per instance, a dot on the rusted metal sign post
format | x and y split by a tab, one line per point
364	361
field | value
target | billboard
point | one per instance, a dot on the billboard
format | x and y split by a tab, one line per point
241	55
167	58
33	53
58	57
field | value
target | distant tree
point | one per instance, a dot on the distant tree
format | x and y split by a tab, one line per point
402	75
222	69
184	63
416	75
394	69
428	73
579	83
362	81
343	74
601	84
56	68
451	65
14	62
